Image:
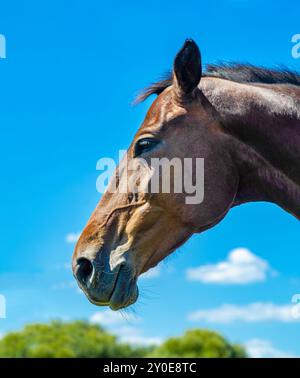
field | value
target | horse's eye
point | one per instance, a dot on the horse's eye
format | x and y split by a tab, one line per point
144	145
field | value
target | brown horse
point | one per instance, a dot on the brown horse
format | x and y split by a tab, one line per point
243	120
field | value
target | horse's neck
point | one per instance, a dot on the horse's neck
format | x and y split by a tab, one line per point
262	123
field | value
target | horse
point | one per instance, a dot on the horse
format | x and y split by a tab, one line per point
243	120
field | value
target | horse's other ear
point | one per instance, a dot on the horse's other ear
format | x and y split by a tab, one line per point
187	68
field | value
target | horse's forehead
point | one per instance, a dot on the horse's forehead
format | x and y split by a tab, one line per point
163	109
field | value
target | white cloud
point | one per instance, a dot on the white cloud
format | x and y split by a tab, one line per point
251	313
72	237
258	348
109	317
152	273
241	267
134	336
118	325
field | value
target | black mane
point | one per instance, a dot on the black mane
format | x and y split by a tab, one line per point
240	73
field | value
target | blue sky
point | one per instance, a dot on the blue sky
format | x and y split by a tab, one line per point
71	72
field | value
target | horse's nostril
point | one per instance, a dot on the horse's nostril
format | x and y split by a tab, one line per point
84	270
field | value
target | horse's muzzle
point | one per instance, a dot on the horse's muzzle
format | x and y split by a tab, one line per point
116	289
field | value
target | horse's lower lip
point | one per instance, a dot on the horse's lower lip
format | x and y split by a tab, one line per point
123	294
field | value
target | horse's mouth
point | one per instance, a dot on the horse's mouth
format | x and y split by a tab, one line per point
121	291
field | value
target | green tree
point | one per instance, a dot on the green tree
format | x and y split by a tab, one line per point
198	343
82	339
57	339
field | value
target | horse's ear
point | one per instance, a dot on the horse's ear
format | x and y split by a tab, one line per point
187	68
